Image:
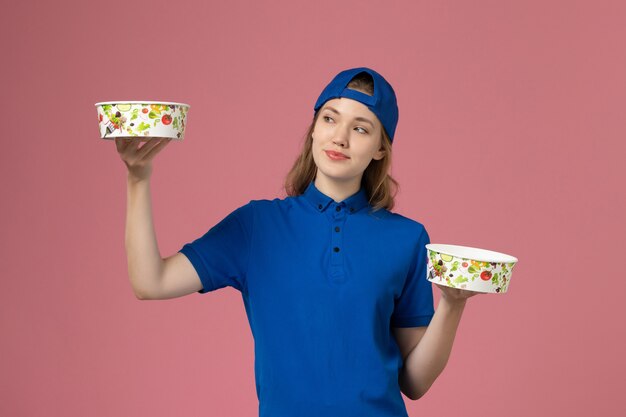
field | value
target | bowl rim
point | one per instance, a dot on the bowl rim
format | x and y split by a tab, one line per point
483	291
483	255
141	102
491	290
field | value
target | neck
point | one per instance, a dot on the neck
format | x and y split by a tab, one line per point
338	190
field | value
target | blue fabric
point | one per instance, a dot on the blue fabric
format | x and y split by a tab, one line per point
322	284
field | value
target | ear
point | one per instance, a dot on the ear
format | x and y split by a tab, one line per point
379	154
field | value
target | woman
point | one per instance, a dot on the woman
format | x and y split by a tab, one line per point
333	283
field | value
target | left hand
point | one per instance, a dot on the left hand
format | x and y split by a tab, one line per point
456	295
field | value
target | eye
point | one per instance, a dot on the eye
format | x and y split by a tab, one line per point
362	130
326	118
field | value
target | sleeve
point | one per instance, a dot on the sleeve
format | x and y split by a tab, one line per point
221	255
414	307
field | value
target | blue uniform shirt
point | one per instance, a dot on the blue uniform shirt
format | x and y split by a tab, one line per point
322	283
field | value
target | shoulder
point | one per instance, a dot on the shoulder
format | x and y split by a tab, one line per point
263	206
408	222
398	220
402	227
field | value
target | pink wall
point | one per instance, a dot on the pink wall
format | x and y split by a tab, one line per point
511	137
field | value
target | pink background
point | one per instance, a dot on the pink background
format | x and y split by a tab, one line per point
511	138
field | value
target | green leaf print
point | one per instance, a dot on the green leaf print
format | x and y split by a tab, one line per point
175	123
143	126
153	115
472	270
460	279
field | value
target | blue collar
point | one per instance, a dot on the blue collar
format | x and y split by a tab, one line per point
321	201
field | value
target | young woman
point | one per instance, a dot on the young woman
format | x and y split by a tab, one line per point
333	282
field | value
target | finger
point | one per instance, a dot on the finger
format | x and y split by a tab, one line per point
157	148
145	147
121	143
131	144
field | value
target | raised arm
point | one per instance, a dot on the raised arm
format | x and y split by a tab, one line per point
151	276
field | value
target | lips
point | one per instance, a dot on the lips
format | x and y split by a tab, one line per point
336	155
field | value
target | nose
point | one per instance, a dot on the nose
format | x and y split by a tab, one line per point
341	136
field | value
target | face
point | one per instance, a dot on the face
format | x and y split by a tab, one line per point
348	127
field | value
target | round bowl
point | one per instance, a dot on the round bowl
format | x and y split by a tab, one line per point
145	119
468	268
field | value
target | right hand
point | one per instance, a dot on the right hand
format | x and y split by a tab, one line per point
139	160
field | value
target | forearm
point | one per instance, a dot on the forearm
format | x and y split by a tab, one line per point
144	260
428	359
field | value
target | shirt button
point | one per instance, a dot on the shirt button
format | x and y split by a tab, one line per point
319	206
351	209
336	228
338	208
336	249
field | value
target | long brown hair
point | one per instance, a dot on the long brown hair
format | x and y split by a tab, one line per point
380	187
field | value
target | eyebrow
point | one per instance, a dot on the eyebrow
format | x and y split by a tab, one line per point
361	119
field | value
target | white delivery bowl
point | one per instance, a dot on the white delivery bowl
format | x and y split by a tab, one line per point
143	119
469	268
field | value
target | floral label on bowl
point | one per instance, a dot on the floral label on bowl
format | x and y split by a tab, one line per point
468	274
134	119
